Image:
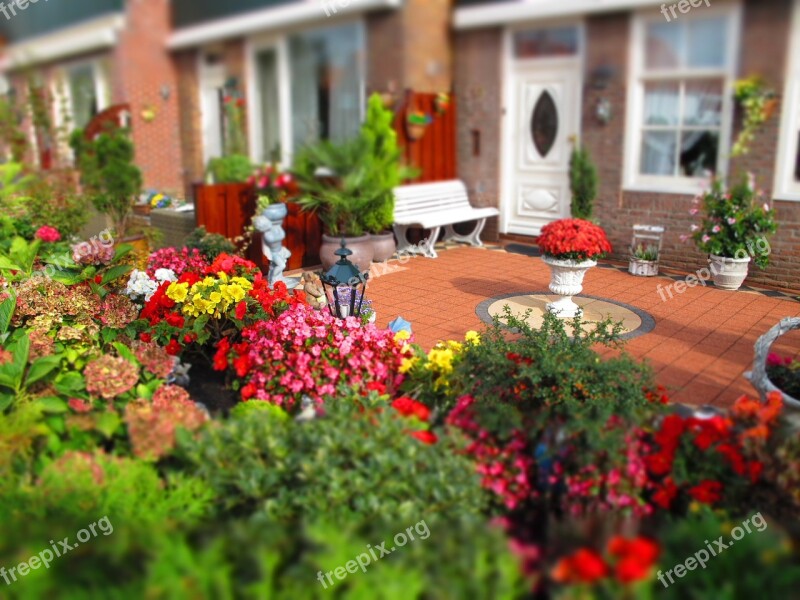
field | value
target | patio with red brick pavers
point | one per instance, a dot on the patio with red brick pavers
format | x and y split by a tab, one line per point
700	348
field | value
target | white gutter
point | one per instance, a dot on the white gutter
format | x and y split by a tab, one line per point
89	36
268	19
489	15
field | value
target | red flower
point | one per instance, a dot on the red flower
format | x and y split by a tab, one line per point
573	239
754	470
145	337
734	458
660	463
242	365
98	279
426	437
668	436
584	566
248	391
709	431
707	492
664	496
376	386
190	338
636	557
173	348
241	310
221	356
408	407
175	320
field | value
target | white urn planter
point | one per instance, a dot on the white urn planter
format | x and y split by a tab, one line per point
728	273
566	280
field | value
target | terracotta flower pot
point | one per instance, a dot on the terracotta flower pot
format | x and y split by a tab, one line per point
383	246
360	246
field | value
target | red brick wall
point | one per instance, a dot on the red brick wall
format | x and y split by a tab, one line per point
144	65
478	88
765	28
191	134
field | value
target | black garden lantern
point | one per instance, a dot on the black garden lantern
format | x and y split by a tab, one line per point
344	285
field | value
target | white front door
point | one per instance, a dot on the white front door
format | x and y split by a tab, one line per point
542	127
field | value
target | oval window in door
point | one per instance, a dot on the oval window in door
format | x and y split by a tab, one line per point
544	124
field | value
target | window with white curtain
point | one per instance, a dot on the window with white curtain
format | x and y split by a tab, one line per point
680	119
83	88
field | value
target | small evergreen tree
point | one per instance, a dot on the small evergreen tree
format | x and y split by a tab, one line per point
583	183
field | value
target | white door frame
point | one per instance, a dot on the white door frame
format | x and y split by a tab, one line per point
510	101
204	74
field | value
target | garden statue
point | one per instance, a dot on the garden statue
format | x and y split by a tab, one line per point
312	286
270	223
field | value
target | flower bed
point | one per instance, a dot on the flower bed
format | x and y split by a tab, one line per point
538	468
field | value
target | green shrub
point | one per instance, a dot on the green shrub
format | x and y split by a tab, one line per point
210	245
235	168
108	172
346	462
583	183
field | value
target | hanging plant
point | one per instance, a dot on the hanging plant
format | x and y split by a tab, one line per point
416	124
759	104
442	103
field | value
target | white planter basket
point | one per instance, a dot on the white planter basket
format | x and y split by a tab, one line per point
758	377
643	268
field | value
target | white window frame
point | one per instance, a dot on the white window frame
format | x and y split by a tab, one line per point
280	42
785	185
100	87
633	180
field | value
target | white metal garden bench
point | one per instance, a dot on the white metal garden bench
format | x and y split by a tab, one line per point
433	206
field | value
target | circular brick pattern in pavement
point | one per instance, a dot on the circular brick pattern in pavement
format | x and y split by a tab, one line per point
635	322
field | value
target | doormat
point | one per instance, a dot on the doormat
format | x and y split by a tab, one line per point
523	249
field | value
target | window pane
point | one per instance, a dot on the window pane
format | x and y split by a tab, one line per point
658	152
270	107
703	104
661	104
663	49
538	43
707	42
326	78
83	95
699	150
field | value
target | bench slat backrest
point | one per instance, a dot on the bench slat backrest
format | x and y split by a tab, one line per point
426	198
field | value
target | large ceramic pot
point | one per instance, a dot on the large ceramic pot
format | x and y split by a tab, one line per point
383	246
566	280
360	246
728	273
759	378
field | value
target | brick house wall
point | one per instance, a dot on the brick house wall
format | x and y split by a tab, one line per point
191	135
766	27
478	88
145	66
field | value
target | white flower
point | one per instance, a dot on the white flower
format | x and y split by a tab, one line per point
163	275
731	220
716	229
139	284
695	227
766	207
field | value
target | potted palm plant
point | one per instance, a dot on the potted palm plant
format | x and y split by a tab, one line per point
350	186
735	228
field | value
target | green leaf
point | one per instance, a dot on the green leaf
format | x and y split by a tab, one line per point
41	368
126	353
7	308
67	277
7	265
5	401
53	404
70	384
116	272
107	423
122	250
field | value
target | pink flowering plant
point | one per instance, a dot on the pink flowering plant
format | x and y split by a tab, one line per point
179	261
733	222
305	352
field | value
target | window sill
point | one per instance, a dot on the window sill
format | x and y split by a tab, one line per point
786	197
653	188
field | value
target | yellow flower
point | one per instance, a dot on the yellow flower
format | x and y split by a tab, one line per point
402	335
222	276
234	292
408	364
440	359
246	285
177	292
202	305
215	298
472	337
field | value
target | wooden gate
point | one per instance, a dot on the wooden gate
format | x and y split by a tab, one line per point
435	152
